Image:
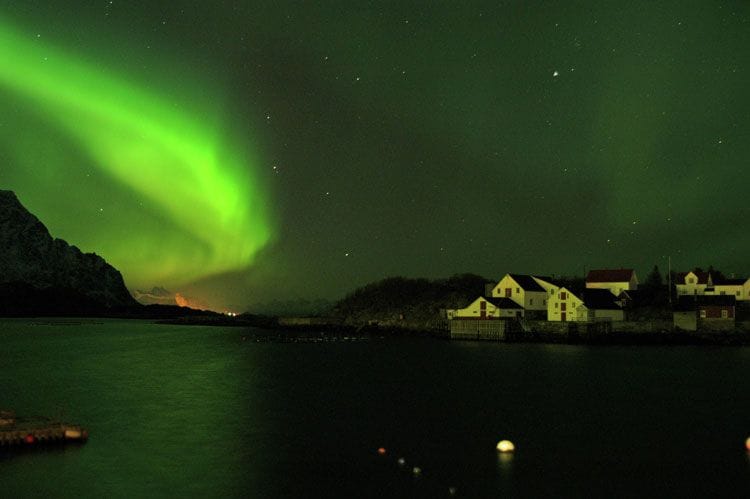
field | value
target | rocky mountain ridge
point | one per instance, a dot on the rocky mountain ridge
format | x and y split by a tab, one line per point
36	266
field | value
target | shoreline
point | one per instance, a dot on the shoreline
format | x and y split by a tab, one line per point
328	330
705	337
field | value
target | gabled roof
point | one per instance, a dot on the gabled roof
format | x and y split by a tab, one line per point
693	302
701	275
600	299
526	282
610	275
504	303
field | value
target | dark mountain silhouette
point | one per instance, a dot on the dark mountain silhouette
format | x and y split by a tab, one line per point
40	275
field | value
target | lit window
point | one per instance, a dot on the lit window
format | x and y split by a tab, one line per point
703	314
724	314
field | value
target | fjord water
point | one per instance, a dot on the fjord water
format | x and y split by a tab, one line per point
181	411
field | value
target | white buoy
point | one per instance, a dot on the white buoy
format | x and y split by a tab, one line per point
505	446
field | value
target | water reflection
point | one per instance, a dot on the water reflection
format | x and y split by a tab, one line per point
505	463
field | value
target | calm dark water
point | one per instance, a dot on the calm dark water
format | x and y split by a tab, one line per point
198	412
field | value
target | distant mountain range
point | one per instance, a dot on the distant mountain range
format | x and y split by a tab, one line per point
155	296
41	275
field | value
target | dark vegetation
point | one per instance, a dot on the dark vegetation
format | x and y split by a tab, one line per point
408	302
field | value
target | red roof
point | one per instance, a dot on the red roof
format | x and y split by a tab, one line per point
610	275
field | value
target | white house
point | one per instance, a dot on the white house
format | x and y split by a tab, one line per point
528	291
591	305
739	288
563	305
694	282
614	280
488	308
699	283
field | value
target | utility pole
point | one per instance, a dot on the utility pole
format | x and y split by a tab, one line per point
669	273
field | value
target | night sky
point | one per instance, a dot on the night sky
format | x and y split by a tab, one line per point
239	152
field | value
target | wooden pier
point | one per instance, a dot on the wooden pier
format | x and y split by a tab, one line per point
36	431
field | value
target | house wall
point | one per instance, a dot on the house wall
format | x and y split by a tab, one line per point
739	291
690	286
614	287
687	321
715	312
474	311
574	309
529	300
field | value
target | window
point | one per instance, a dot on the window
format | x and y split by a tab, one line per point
555	304
738	293
531	301
722	292
724	314
574	305
703	314
563	295
690	280
551	292
518	290
544	302
483	305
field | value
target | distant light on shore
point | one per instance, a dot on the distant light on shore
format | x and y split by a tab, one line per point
747	444
505	446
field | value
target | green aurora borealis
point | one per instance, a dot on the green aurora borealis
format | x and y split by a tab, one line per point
240	152
211	210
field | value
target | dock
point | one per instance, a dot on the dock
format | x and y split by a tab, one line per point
37	431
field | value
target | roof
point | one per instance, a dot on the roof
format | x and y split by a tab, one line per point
610	275
504	303
547	279
693	302
600	299
634	297
730	282
527	282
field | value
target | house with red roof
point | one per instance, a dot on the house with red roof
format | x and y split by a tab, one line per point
614	280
